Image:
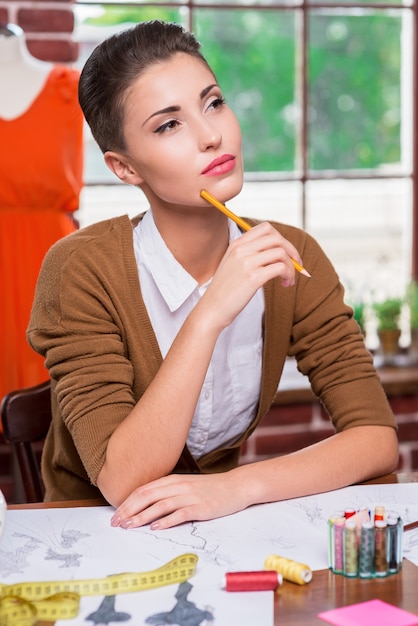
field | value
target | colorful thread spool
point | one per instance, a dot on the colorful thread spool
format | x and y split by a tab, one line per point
350	549
366	555
290	570
380	548
392	544
339	525
400	542
252	581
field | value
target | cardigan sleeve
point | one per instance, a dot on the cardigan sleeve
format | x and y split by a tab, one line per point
329	346
81	317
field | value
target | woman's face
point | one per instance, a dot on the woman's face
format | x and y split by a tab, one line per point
181	137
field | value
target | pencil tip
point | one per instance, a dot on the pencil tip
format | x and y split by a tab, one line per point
305	273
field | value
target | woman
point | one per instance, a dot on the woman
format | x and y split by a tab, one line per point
165	337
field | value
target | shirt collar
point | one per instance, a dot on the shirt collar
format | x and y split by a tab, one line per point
171	279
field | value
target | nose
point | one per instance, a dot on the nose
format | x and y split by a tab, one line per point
209	135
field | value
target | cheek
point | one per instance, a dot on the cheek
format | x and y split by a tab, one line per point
171	178
173	163
232	128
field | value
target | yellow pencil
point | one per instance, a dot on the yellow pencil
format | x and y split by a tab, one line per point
243	224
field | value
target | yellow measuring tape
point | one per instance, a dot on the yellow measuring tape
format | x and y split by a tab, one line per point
22	604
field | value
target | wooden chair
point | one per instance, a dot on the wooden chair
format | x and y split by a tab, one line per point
26	415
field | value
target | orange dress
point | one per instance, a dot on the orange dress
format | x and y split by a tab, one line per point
41	171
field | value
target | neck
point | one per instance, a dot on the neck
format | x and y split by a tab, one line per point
197	241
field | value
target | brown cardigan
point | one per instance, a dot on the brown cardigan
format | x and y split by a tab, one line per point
90	322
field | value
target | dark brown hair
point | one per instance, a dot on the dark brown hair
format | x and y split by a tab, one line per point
116	63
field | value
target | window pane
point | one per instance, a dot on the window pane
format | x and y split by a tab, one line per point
354	89
405	3
244	2
364	227
253	56
276	201
136	2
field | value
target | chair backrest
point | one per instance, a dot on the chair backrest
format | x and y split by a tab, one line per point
26	416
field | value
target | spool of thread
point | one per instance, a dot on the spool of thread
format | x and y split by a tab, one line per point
331	542
252	581
400	542
392	544
380	548
350	549
366	556
339	525
290	570
331	521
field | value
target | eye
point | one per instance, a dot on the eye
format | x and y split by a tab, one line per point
166	126
217	103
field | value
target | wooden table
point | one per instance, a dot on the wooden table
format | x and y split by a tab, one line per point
296	605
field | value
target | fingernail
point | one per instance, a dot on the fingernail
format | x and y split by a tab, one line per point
126	523
155	525
115	521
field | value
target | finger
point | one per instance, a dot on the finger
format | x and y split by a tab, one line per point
268	235
163	514
144	497
180	516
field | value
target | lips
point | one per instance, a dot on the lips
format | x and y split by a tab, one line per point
220	166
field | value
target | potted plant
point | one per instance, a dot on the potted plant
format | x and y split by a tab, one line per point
359	314
388	313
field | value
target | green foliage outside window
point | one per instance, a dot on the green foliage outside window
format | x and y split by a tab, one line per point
354	72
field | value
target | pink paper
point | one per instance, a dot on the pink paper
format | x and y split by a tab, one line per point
367	613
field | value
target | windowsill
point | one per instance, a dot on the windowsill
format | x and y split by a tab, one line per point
295	388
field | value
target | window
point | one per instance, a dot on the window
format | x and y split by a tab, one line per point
324	94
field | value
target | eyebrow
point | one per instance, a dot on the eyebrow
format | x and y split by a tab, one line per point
175	108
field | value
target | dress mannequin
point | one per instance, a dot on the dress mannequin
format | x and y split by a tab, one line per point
15	60
41	170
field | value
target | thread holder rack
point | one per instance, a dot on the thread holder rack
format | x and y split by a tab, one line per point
365	545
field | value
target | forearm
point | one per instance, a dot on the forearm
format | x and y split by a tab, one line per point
346	458
148	443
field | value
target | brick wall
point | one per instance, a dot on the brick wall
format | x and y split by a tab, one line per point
48	27
287	428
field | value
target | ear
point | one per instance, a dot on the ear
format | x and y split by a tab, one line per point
119	165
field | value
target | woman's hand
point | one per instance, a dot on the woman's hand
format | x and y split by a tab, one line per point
250	261
180	498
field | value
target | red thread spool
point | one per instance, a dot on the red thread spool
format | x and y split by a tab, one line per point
252	581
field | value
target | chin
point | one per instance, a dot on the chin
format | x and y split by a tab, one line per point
229	189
